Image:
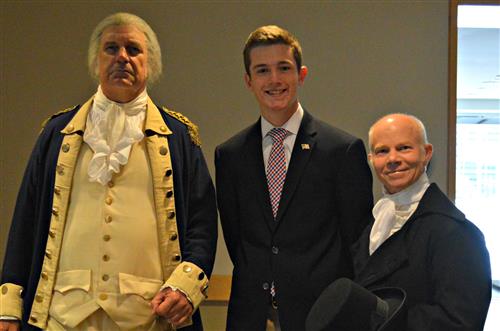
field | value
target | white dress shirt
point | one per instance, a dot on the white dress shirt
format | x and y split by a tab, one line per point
393	210
292	126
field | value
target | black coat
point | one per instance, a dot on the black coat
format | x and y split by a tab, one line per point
440	259
325	204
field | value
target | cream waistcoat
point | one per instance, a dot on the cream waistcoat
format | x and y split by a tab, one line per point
110	255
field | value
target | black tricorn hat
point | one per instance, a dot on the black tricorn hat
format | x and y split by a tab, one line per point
346	306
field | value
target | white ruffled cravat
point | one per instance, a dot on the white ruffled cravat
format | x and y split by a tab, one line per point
393	210
111	130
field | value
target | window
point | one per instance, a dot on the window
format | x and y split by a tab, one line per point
474	153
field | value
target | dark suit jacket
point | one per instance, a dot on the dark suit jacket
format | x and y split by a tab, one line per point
325	204
439	258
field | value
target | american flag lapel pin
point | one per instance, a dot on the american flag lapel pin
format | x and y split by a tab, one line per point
305	146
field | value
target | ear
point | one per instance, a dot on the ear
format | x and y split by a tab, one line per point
428	153
370	156
248	80
302	74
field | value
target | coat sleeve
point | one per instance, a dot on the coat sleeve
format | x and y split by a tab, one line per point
354	197
201	226
227	203
20	255
461	283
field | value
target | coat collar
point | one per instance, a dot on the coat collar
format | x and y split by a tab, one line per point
393	253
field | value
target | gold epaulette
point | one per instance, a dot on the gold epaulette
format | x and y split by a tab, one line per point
192	128
44	123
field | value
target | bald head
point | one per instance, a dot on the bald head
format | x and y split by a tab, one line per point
399	151
409	120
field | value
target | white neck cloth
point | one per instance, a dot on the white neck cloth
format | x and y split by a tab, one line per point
393	210
111	130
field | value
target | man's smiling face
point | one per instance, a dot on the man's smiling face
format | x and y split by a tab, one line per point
398	154
274	80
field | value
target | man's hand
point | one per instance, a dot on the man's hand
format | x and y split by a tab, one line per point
9	326
172	305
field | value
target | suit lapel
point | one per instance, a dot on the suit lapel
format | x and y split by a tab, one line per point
302	150
255	166
390	256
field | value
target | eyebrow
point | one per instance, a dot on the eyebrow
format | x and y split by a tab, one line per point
263	65
129	42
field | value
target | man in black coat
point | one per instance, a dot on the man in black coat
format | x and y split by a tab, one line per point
419	240
287	235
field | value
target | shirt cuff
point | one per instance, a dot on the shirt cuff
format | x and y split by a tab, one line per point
11	304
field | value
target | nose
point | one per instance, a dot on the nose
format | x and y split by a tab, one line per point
122	55
393	159
275	75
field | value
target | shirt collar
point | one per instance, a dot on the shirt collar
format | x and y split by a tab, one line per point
292	125
154	121
412	193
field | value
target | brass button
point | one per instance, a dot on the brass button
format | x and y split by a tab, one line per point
57	191
44	275
108	219
55	212
111	184
108	200
163	150
5	290
105	278
265	286
106	237
33	319
48	254
171	215
52	234
187	269
173	237
65	148
103	296
38	298
60	169
163	128
105	257
170	194
70	127
168	173
176	257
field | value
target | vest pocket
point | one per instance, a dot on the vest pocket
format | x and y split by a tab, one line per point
73	279
144	287
71	302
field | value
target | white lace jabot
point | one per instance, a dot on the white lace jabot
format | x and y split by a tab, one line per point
111	130
393	210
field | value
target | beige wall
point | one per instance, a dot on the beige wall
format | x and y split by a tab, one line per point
365	58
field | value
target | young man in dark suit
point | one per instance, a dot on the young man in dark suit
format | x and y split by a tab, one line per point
293	194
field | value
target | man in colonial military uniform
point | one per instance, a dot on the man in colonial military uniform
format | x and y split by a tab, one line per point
115	226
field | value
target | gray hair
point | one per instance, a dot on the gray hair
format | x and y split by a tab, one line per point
421	126
120	19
